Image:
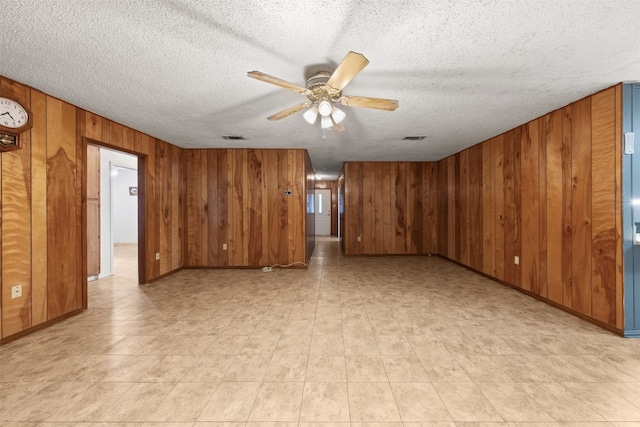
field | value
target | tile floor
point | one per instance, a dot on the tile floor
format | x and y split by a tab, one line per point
363	341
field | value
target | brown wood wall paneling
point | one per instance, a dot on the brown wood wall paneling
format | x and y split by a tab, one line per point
552	140
497	191
352	210
160	202
93	210
310	185
475	208
62	208
509	210
162	197
553	199
619	281
542	197
81	212
16	224
517	195
211	194
39	243
530	208
443	208
390	207
581	206
603	201
45	198
237	198
567	231
431	198
488	209
376	228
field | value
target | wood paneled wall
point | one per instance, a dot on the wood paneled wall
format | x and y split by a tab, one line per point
545	192
310	177
390	208
333	186
237	197
43	208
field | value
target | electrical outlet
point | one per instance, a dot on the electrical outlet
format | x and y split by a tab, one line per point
224	246
16	291
516	260
157	256
359	238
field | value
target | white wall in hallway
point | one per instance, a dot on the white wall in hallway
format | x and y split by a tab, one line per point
108	158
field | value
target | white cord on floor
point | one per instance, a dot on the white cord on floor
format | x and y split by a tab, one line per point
271	268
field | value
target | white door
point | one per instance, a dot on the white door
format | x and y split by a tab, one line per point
323	212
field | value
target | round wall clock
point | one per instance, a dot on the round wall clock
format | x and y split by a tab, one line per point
14	119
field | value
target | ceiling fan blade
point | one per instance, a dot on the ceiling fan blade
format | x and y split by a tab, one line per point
350	66
278	82
289	111
365	102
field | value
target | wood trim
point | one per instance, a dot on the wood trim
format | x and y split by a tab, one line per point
540	298
39	327
143	275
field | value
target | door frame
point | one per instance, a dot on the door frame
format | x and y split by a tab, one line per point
142	167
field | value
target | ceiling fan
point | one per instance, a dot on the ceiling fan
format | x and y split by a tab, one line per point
324	89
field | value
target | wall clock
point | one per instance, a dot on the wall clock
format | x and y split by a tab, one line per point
14	119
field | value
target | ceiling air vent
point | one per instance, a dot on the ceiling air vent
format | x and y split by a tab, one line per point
413	138
233	137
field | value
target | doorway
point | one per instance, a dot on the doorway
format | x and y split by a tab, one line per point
112	213
323	212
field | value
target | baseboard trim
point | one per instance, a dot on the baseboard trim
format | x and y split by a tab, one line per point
162	276
40	327
635	333
542	299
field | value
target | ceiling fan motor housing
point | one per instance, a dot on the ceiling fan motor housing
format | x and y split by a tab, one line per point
319	89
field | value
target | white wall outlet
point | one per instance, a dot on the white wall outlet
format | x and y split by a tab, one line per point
224	246
157	256
359	238
16	291
516	260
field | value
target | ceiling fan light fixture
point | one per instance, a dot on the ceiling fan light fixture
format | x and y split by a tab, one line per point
337	115
326	122
311	115
324	108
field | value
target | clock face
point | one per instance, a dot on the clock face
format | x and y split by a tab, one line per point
12	114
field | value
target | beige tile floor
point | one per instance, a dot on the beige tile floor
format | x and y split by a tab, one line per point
361	341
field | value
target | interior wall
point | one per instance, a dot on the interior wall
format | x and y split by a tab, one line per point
547	192
237	197
107	158
43	214
333	186
310	229
125	206
390	208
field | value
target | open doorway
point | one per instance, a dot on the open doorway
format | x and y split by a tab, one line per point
112	214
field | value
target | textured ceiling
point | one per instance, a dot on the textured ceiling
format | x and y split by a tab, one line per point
463	71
